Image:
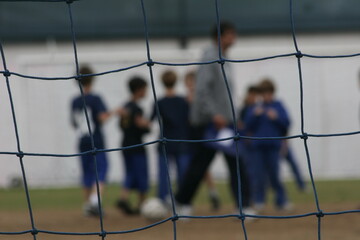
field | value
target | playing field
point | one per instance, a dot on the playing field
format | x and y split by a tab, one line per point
60	210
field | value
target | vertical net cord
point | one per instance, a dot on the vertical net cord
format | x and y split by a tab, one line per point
304	134
20	154
163	140
222	62
103	233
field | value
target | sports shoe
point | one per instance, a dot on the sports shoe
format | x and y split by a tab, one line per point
215	201
183	209
286	208
91	210
259	207
249	211
124	206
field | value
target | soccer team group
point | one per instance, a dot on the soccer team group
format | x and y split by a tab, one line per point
205	113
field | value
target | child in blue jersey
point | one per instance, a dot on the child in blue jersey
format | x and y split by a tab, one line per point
98	114
174	114
266	119
134	126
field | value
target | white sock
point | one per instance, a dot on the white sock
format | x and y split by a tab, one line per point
93	199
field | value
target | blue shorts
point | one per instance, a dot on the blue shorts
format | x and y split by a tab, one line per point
136	175
88	168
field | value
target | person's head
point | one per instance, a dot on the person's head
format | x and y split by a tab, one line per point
251	95
169	79
86	81
137	86
267	89
227	34
190	81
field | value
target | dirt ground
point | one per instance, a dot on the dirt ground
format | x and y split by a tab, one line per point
344	226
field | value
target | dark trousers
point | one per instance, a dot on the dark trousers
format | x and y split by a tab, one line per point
264	166
289	157
202	157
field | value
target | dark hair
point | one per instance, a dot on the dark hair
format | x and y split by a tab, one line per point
224	27
266	85
190	74
253	89
169	78
136	83
86	80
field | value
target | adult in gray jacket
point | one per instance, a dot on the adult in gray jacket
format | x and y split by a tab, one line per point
211	109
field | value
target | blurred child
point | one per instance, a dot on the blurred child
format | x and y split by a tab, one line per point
174	112
98	114
250	100
267	119
134	126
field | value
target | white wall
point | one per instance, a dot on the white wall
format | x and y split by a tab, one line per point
331	103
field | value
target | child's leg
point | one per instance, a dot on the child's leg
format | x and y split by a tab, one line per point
259	176
274	175
142	179
295	169
87	175
182	163
102	166
163	183
129	183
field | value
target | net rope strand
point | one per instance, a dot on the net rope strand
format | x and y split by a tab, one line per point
150	65
7	73
19	154
298	56
177	141
62	78
76	59
237	154
163	140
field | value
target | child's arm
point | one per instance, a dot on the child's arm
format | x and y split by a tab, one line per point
104	116
102	113
142	122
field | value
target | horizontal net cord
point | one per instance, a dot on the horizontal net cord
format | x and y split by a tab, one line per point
6	72
165	140
226	216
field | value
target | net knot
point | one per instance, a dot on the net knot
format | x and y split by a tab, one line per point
20	154
94	151
163	140
305	136
221	61
175	218
237	137
78	77
299	54
102	234
34	232
241	217
7	73
150	63
320	214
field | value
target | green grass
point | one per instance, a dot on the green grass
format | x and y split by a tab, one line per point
71	198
